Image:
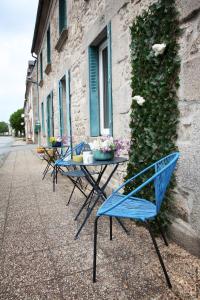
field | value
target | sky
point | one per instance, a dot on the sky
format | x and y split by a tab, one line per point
17	21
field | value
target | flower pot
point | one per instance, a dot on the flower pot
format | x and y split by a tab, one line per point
100	155
57	144
40	150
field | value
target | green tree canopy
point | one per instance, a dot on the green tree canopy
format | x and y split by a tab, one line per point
3	127
16	121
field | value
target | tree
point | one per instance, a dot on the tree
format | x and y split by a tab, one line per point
3	127
16	121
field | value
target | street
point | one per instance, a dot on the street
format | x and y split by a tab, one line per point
39	258
5	143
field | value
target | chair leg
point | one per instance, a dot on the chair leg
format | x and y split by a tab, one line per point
95	249
54	179
71	194
159	256
45	172
84	205
56	175
162	233
110	228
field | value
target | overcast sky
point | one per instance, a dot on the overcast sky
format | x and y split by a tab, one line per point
17	20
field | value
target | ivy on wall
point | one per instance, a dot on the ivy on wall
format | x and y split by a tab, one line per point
155	78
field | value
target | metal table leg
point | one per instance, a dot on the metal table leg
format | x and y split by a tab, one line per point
100	194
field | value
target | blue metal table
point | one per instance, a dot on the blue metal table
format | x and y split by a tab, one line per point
96	184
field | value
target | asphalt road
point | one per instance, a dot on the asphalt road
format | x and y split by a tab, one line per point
5	144
10	144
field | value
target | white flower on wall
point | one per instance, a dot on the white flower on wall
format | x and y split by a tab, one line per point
159	48
139	99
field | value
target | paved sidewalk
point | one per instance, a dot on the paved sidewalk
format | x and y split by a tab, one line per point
39	258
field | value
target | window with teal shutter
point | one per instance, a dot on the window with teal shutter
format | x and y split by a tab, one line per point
94	90
48	46
50	116
100	84
64	105
62	15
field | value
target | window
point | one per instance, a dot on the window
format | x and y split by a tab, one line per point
62	15
42	113
103	89
41	67
50	116
100	85
65	106
48	46
62	107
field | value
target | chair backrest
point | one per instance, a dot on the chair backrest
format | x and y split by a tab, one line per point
163	172
77	149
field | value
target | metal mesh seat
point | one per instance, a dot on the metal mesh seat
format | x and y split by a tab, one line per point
135	208
76	173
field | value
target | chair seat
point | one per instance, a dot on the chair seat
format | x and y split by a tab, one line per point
132	208
62	163
76	173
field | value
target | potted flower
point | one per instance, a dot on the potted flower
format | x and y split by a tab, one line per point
106	148
55	142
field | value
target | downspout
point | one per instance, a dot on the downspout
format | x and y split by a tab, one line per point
38	110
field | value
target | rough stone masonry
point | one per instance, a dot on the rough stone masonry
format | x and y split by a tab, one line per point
86	20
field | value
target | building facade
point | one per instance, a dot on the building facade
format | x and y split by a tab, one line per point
84	74
30	104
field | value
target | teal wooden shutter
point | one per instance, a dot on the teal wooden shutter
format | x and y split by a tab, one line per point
48	46
68	101
48	119
52	114
62	15
60	107
109	38
94	91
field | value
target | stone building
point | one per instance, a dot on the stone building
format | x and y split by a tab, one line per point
30	104
80	44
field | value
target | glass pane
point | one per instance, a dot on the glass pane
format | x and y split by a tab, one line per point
105	88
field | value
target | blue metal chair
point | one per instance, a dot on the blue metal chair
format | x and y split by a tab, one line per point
128	206
62	162
73	174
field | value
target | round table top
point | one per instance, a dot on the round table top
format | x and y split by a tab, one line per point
54	147
114	161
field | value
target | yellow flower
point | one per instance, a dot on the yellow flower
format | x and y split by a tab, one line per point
52	139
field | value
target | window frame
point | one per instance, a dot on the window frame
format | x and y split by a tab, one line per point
103	130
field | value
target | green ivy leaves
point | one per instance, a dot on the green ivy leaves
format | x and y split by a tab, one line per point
154	124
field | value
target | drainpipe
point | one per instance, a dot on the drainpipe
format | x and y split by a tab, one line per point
38	110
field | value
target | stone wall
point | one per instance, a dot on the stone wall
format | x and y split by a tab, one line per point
86	19
31	108
186	226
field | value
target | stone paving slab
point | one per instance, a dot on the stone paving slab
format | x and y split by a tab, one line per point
39	258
